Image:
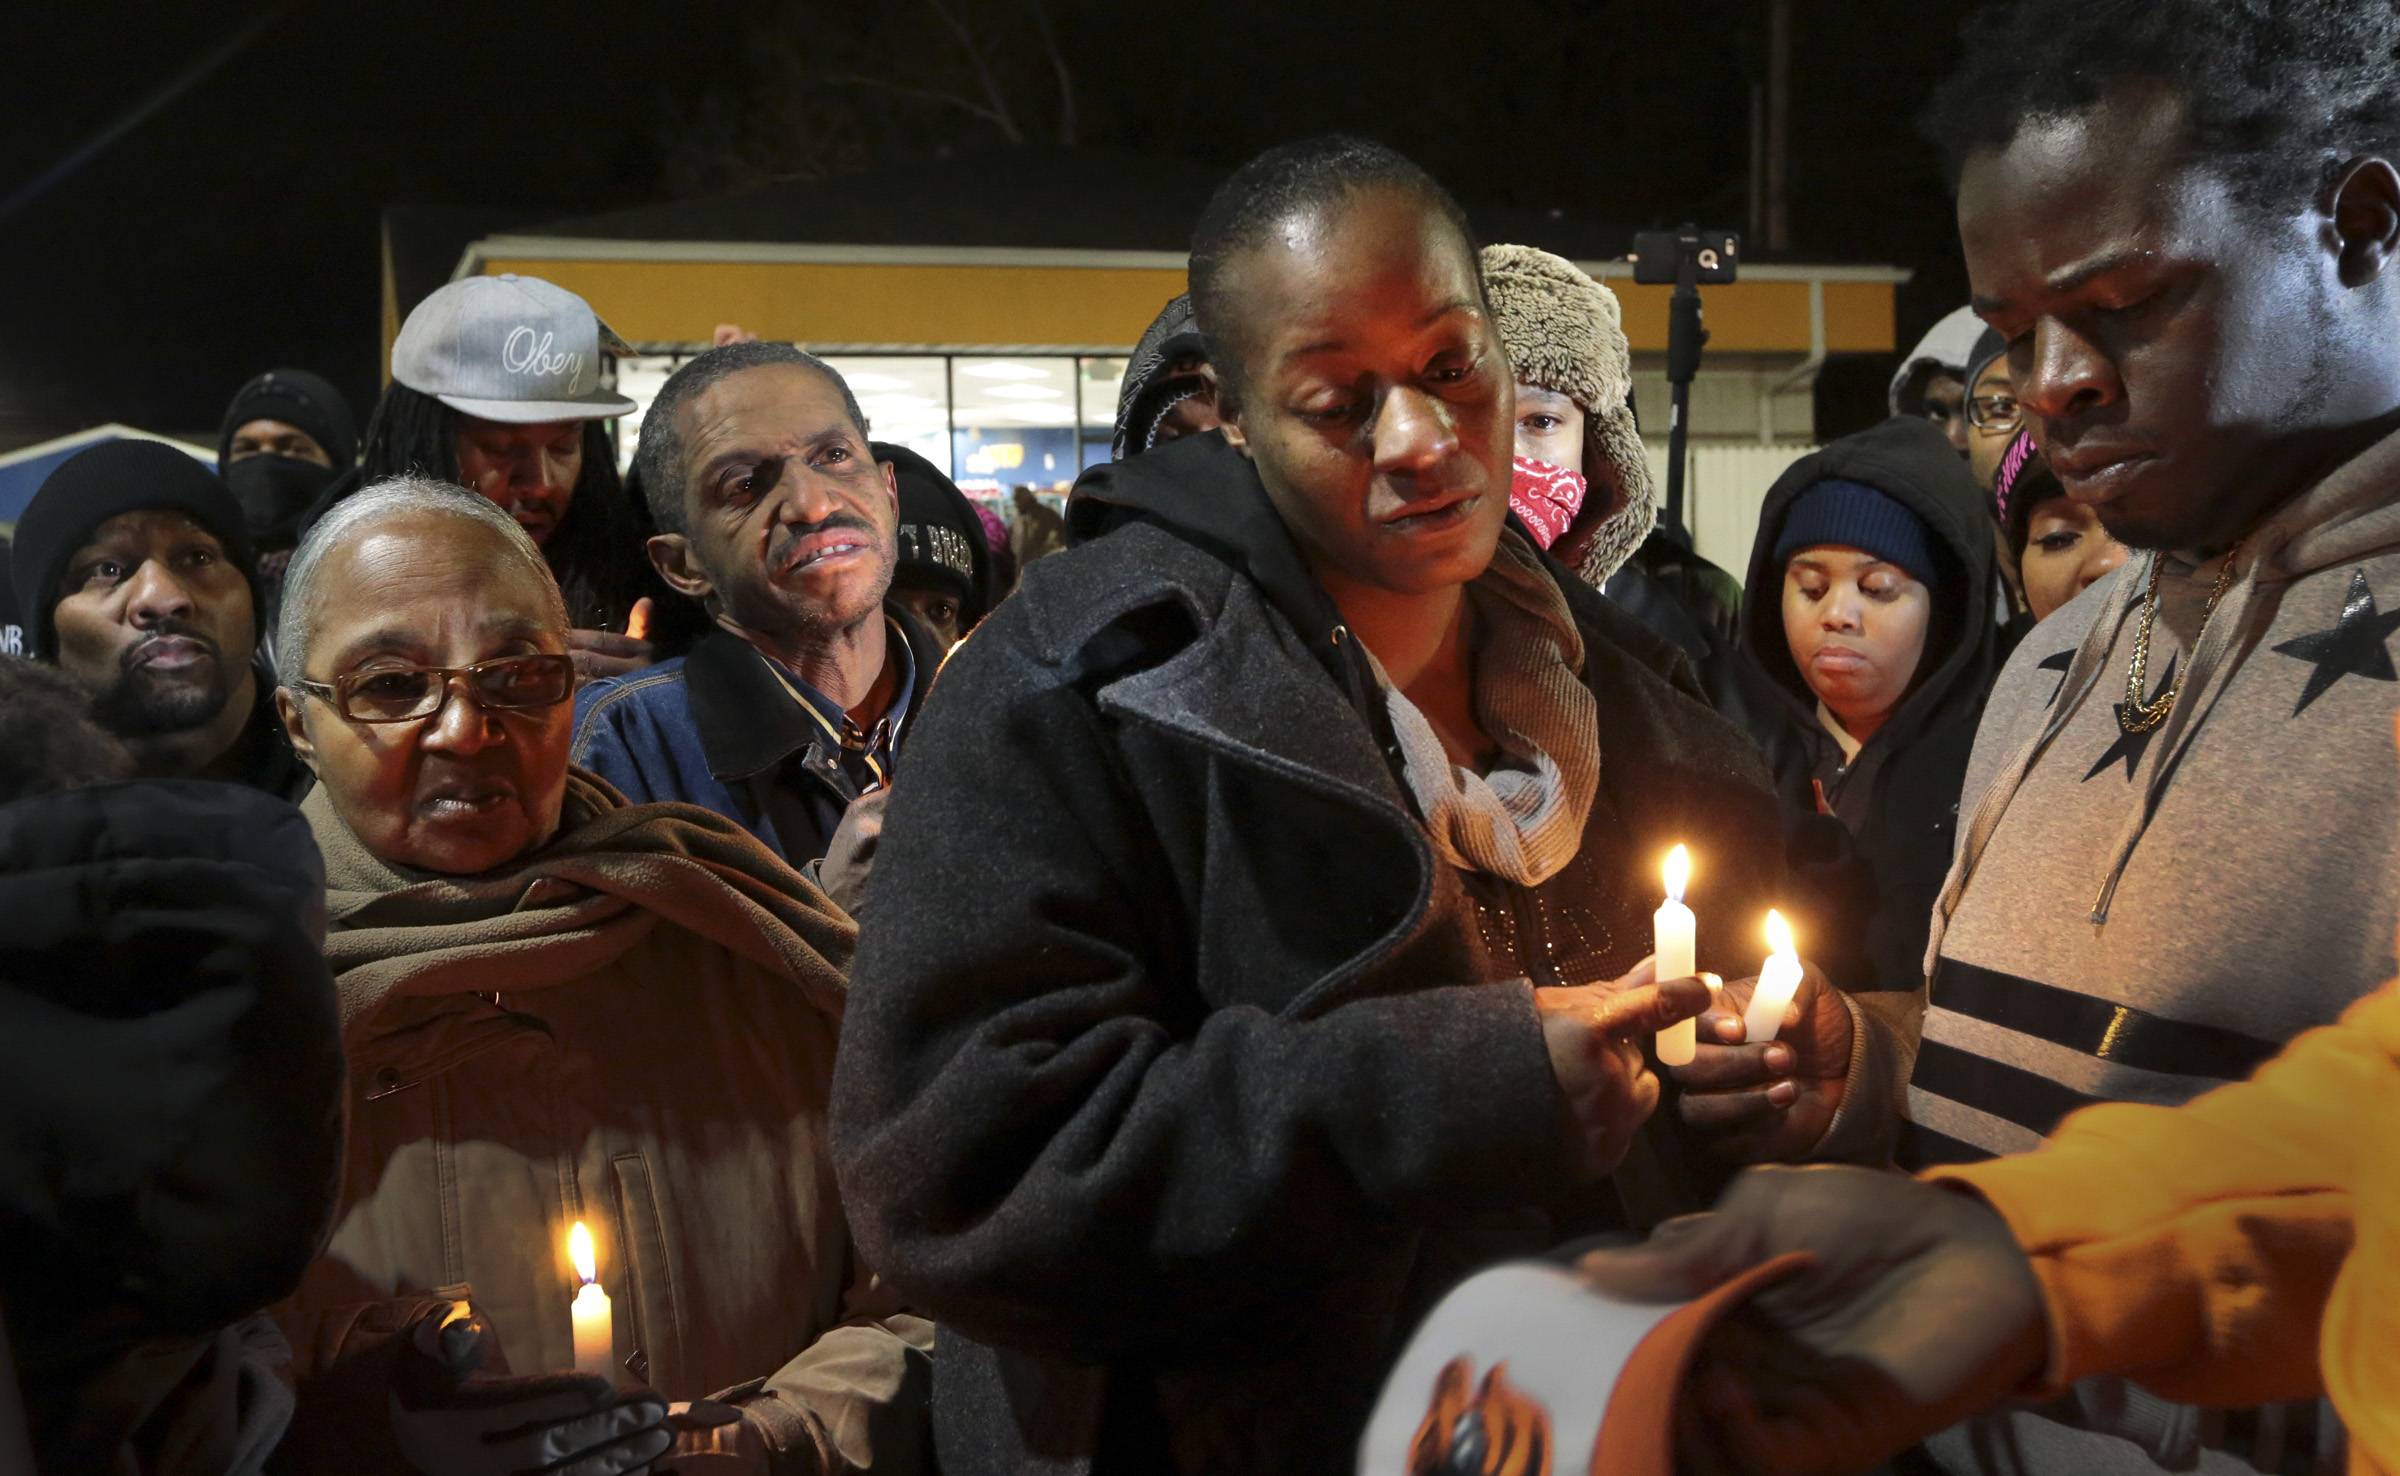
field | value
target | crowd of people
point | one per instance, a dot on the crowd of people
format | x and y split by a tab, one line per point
758	964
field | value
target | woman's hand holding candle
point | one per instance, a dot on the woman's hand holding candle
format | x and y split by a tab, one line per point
1593	1033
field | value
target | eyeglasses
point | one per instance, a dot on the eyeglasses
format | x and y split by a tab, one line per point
400	694
1994	412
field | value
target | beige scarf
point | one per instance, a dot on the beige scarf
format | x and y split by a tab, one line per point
590	893
1523	821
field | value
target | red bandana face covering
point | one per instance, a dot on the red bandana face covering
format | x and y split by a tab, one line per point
1547	497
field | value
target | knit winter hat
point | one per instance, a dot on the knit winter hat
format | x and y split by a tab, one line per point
1563	332
940	539
99	483
1855	515
299	398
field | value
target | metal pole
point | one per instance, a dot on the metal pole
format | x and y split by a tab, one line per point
1779	125
1685	337
950	413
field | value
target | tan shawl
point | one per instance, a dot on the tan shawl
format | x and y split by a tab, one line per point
601	884
1524	821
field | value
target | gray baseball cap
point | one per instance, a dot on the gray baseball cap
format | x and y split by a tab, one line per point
510	348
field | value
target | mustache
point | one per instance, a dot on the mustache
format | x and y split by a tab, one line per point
787	534
164	630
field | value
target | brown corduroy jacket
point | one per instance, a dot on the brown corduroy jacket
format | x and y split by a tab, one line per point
634	1027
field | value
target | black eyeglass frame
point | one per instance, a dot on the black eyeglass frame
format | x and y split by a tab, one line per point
339	691
2012	421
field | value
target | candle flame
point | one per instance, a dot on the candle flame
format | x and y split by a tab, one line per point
1679	871
1779	933
579	1250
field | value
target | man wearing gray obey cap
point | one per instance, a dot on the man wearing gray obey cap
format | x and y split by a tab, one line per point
497	385
508	348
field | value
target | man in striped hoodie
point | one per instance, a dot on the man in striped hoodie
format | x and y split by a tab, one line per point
2177	843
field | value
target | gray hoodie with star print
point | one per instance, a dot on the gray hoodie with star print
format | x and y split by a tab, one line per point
2141	917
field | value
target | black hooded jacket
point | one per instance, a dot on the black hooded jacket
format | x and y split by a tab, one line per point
171	1081
1178	1075
1152	381
1913	767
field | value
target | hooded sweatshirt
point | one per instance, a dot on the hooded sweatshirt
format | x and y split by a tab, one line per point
1899	796
632	1027
1944	349
1153	384
2141	917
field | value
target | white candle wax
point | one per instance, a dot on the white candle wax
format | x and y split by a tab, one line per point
1672	941
595	1328
595	1332
1777	983
1671	938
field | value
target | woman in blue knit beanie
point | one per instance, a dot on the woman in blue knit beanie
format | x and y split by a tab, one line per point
1868	610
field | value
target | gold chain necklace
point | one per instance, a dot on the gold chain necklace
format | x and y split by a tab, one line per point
2137	716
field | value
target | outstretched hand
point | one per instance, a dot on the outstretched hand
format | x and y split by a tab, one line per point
1919	1310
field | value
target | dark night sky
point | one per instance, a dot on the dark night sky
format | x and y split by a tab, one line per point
238	229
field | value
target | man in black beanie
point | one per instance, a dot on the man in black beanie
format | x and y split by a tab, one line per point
135	575
286	437
944	570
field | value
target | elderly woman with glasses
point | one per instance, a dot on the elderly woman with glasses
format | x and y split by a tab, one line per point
558	1008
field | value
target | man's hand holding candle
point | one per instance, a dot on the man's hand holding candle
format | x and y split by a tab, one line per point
1770	1101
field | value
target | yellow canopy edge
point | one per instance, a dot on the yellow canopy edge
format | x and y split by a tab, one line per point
898	304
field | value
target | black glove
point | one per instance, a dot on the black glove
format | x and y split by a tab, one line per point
453	1419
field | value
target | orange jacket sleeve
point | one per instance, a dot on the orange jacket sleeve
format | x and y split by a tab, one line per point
2206	1251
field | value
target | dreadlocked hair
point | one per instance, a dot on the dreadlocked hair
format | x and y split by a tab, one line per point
596	552
2276	93
1293	179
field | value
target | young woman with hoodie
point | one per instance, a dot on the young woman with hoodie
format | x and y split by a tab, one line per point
1869	611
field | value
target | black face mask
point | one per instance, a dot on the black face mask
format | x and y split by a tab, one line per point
274	491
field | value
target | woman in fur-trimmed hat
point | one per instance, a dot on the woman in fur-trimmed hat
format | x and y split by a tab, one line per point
1574	378
1582	474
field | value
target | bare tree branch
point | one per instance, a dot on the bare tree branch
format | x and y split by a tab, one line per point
983	73
1000	120
1067	125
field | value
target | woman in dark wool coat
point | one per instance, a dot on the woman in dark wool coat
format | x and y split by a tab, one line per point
1257	943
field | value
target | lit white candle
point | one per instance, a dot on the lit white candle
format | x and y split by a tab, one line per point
1671	939
595	1333
1777	983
